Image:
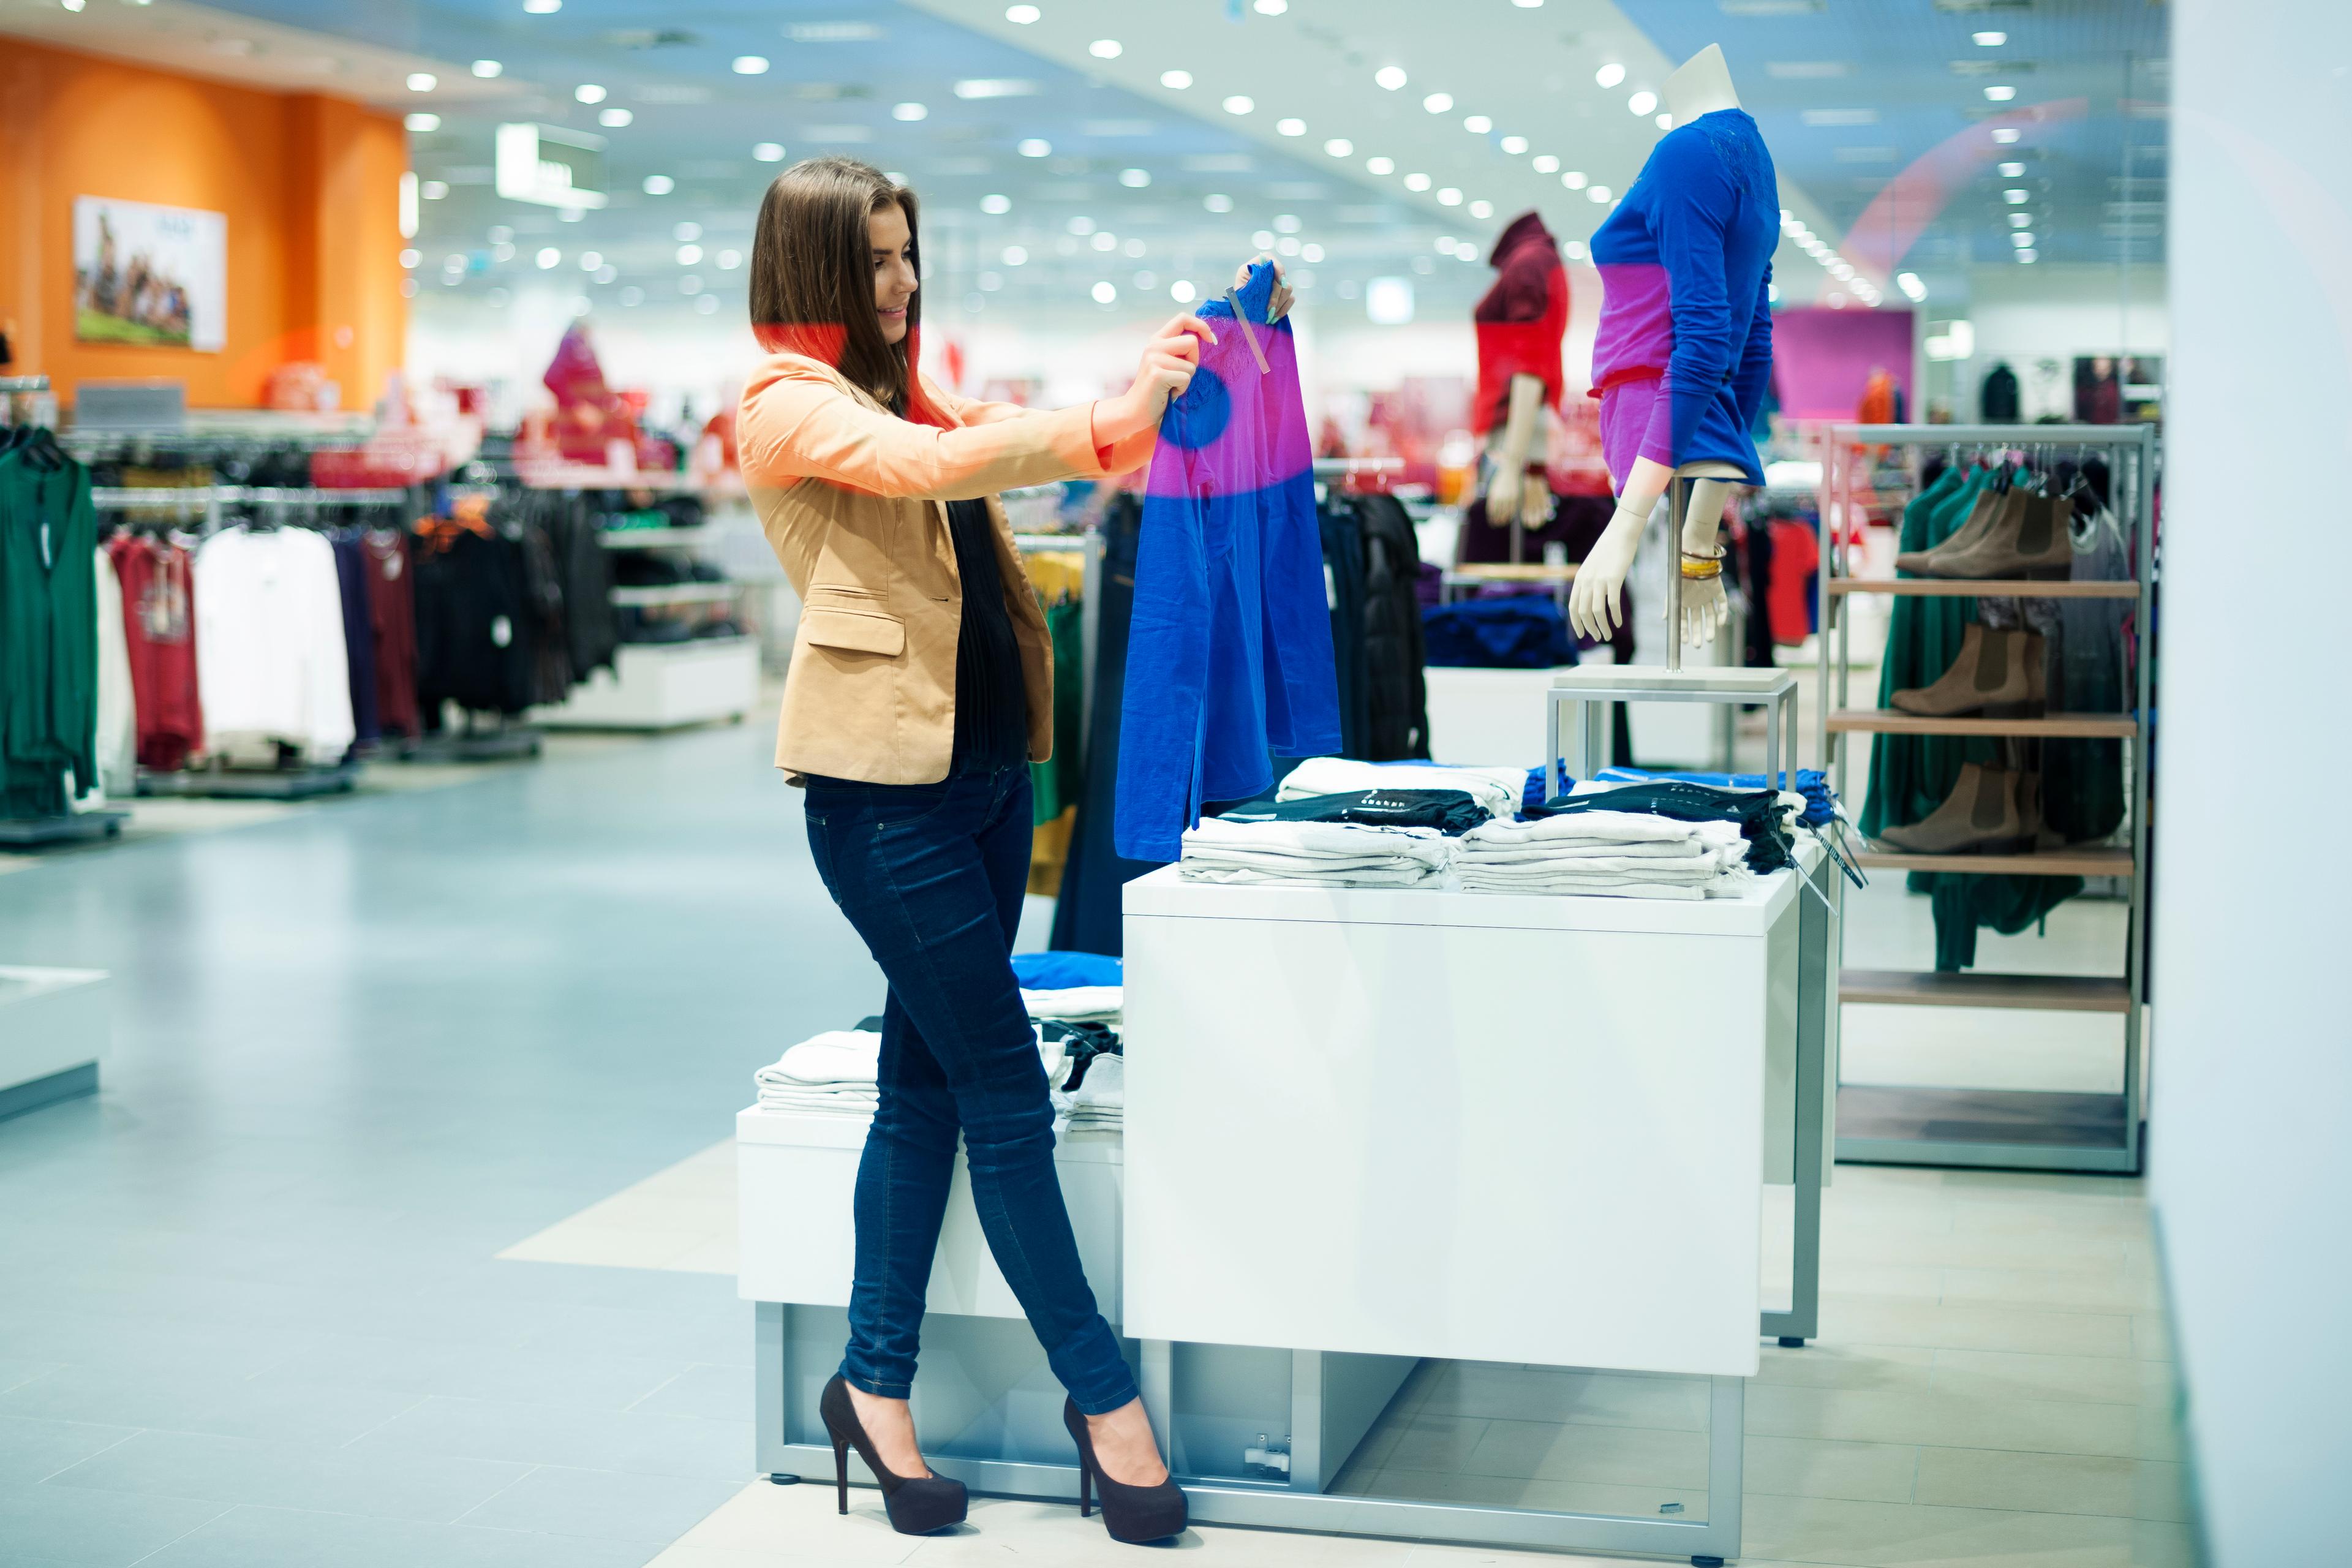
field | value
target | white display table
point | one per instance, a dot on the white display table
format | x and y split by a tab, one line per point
54	1028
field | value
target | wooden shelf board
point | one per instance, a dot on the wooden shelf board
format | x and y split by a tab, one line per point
2033	992
2049	863
1987	588
2056	727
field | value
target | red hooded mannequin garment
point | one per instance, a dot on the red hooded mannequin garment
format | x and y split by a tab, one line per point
1520	322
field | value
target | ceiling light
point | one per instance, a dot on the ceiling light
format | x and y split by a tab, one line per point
1575	180
659	184
1390	77
1286	223
1438	102
2029	254
1287	244
1035	147
728	260
1218	203
1527	5
614	119
1666	123
1380	166
1176	81
1546	163
1989	40
909	112
750	65
1416	182
1482	209
1610	75
996	205
1449	196
434	190
1240	103
1910	285
689	284
1445	243
2005	135
1081	225
1338	147
588	92
768	151
1105	48
1291	127
2020	220
421	123
488	68
1262	239
1105	241
542	7
547	259
689	254
1599	193
590	260
1310	253
991	281
423	81
1643	102
686	231
1843	269
2017	195
2022	240
2012	171
1478	124
500	234
1388	301
1021	16
1269	7
1014	255
1182	291
632	295
452	263
1105	292
412	257
1131	248
2001	94
995	87
1515	145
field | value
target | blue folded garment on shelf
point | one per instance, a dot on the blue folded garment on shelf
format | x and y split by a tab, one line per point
1522	631
1064	970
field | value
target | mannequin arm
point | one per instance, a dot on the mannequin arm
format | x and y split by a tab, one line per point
1509	451
1755	371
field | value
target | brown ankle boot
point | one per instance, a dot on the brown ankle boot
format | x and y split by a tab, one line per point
1979	816
2032	543
1984	512
1994	669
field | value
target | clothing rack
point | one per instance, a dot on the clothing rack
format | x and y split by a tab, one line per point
2027	1130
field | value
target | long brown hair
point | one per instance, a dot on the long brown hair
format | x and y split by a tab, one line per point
813	274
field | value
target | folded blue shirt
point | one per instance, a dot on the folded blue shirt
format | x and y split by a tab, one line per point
1058	971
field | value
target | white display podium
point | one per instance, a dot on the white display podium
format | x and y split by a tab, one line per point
54	1030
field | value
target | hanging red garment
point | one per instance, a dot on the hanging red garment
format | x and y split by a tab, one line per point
1877	406
159	618
391	614
1520	321
1789	602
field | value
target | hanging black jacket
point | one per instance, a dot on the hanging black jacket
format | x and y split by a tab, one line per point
1396	699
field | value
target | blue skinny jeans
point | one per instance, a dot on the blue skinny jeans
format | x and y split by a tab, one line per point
931	876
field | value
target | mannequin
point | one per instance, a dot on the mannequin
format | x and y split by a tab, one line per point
1519	323
1680	370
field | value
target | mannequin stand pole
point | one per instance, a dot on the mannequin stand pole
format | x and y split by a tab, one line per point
1675	502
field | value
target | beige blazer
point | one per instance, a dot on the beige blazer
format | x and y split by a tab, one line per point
853	500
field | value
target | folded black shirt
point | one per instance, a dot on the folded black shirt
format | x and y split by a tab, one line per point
1451	811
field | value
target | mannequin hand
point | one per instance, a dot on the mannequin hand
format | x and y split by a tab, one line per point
1535	503
1279	305
1503	491
1164	372
1704	610
1593	606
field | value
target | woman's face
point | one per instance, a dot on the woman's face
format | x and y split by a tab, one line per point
894	269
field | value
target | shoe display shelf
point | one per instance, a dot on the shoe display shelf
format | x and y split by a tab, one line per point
2010	1129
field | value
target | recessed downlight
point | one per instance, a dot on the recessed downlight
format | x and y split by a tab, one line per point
1610	75
1176	81
1390	77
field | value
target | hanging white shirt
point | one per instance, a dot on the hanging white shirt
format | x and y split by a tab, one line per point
270	662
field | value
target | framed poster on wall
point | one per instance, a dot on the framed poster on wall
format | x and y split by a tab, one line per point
152	275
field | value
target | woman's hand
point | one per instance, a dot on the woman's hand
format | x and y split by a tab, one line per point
1277	307
1165	371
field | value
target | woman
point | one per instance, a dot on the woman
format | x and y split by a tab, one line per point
921	686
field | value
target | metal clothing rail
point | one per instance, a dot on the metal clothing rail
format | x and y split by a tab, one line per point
2020	1130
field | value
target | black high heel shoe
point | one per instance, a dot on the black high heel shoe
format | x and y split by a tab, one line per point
917	1504
1132	1514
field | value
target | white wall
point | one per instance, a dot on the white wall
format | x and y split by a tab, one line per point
2028	314
2252	1075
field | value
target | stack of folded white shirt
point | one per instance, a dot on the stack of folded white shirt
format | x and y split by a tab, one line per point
1100	1102
831	1074
1497	789
1075	1003
1608	854
1316	854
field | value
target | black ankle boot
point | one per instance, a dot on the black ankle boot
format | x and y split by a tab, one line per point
917	1504
1132	1514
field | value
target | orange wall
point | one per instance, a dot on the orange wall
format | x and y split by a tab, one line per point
309	185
